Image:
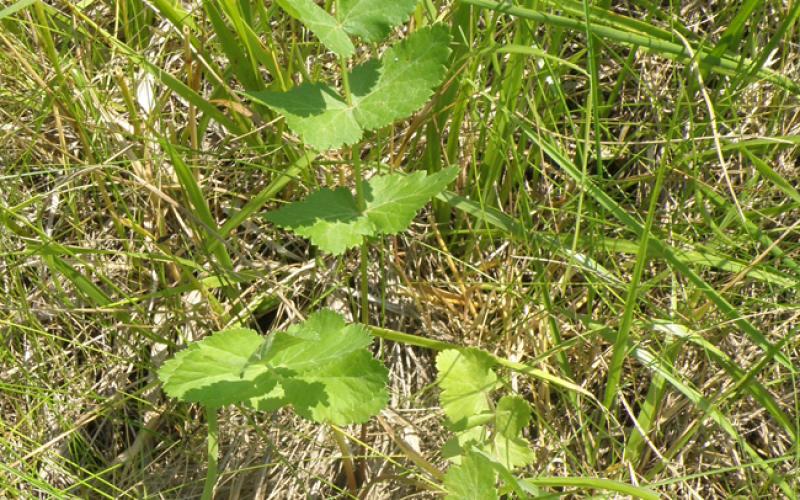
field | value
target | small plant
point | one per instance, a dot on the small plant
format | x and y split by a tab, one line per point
488	439
322	368
376	93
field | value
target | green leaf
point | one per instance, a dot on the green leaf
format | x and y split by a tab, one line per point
325	372
473	479
316	113
393	200
347	391
512	415
466	379
404	80
455	447
329	218
372	20
322	367
332	221
382	92
212	371
322	339
327	28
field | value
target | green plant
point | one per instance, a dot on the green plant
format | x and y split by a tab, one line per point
488	444
322	368
374	95
488	438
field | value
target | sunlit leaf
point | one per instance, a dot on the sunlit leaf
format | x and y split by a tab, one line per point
331	218
473	479
372	20
322	368
212	371
403	81
327	28
466	379
382	91
326	372
315	112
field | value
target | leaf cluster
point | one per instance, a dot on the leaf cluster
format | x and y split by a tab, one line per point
371	20
322	368
488	438
381	91
332	220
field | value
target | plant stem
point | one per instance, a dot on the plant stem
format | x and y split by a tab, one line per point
355	156
438	345
347	459
345	81
213	453
361	203
364	283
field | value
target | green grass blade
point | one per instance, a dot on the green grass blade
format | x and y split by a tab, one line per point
91	291
620	345
742	377
15	7
438	345
707	258
201	210
265	195
656	364
726	65
664	250
229	43
732	35
177	15
771	175
489	215
594	483
167	79
775	40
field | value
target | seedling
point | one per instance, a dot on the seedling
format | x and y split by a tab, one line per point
322	367
374	94
332	220
488	439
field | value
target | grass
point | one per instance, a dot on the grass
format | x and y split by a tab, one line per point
623	237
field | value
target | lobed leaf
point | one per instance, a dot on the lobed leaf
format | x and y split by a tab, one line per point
327	28
316	113
212	371
322	339
393	200
348	390
512	415
322	368
474	479
325	371
373	20
382	92
403	81
331	218
466	379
